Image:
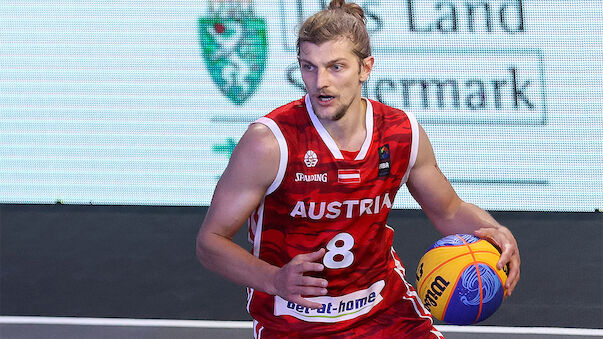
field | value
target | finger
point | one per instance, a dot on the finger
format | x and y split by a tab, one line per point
507	245
514	273
312	257
310	267
307	290
505	248
505	257
509	251
310	281
488	234
304	302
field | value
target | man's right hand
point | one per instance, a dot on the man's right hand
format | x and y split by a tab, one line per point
291	284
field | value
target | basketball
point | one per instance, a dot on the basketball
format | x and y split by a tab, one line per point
458	281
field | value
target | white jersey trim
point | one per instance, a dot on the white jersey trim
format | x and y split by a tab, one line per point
369	131
249	296
257	332
257	238
284	152
328	140
414	147
257	232
282	166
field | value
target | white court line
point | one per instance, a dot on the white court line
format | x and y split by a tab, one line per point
124	322
249	324
521	330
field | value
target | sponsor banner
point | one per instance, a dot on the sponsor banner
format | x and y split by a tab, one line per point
102	103
464	86
334	309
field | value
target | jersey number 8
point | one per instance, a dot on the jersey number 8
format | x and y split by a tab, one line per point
339	256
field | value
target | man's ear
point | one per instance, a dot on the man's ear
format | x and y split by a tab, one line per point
366	67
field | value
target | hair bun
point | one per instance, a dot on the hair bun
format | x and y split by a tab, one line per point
336	4
350	8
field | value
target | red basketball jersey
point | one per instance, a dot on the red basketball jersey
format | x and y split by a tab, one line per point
325	198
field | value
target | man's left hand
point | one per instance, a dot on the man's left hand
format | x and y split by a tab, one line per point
505	241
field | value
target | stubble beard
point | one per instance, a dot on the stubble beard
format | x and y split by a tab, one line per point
340	113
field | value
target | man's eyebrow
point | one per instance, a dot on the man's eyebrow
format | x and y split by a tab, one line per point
303	60
330	62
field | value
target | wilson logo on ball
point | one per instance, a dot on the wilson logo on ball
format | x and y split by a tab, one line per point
435	291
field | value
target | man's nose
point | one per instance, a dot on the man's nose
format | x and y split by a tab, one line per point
322	78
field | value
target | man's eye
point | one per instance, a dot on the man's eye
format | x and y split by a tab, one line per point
337	67
307	67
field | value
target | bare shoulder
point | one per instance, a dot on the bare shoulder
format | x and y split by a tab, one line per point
260	135
250	172
258	142
256	157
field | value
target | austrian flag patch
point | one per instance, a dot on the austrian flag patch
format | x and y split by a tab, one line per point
348	176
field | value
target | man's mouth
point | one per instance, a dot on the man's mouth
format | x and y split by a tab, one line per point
325	98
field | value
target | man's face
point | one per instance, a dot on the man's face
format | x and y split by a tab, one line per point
333	76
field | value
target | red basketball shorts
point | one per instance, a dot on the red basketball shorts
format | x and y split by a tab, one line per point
400	320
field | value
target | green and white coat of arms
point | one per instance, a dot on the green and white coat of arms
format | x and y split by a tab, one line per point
234	46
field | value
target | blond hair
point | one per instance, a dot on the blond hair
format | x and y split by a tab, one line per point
339	20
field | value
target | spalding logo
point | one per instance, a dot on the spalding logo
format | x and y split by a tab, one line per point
311	159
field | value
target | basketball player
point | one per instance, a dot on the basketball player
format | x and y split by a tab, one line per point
316	179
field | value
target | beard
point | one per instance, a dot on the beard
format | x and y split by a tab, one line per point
339	113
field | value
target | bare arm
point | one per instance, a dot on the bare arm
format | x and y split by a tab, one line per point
450	215
251	170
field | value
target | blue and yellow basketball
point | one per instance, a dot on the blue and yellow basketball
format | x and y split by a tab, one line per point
458	281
